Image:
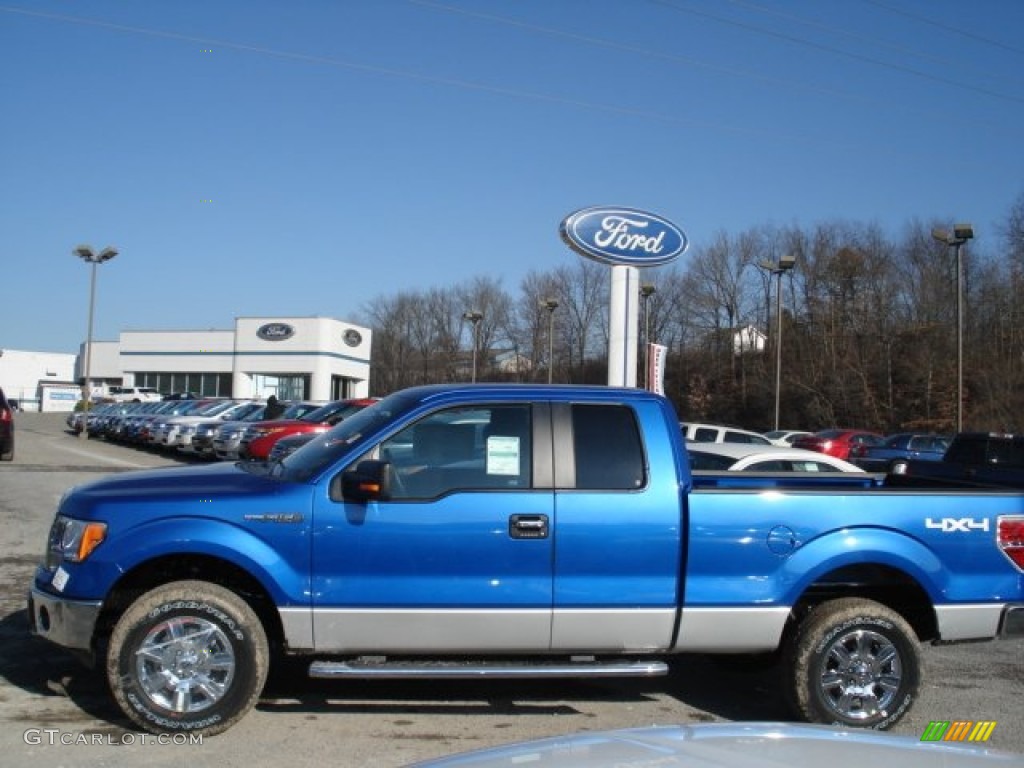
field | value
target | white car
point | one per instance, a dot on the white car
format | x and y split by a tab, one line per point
763	458
784	437
134	395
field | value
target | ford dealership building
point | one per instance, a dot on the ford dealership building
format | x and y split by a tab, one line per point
312	358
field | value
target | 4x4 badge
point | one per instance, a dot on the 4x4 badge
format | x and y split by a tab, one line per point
957	524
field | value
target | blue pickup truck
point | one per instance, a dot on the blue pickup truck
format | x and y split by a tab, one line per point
516	530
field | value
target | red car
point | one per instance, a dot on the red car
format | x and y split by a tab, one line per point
837	442
260	436
6	429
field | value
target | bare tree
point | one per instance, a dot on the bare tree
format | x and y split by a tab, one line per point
869	325
583	292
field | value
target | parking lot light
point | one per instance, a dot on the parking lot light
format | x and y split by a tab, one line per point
550	305
960	235
89	256
784	264
474	317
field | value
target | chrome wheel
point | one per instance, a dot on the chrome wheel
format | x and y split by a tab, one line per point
861	675
185	664
854	662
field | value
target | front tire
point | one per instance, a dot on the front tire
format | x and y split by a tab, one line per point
188	656
853	662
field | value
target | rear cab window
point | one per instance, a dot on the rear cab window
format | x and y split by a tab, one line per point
609	451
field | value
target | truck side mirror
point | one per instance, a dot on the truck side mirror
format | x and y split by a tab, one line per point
369	480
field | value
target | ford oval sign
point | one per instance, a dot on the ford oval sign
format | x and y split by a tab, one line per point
275	331
623	236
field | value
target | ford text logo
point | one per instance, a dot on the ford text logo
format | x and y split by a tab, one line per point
623	236
275	331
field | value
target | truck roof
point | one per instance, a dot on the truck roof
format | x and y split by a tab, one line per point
454	392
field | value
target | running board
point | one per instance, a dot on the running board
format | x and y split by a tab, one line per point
381	668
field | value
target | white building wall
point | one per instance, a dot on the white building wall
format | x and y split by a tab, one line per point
209	351
22	371
321	347
105	365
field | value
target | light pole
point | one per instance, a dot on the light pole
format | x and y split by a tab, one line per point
960	235
87	254
784	264
646	291
550	305
474	317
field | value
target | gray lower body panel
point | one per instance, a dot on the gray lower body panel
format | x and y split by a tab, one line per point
731	630
479	631
980	621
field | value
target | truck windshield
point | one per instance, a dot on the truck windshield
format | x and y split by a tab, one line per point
325	449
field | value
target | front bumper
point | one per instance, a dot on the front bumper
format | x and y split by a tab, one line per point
67	623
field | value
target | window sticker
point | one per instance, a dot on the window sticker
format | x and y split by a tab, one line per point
502	455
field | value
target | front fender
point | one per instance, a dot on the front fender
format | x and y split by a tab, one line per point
277	555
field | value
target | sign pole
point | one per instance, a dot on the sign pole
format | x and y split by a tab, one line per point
623	321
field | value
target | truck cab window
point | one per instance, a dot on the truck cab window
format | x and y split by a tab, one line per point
482	448
609	453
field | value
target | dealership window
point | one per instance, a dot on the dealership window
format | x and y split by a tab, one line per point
202	384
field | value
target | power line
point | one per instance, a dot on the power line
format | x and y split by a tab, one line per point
671	57
464	84
392	72
837	51
874	40
946	27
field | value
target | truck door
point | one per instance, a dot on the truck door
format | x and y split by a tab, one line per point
618	529
459	559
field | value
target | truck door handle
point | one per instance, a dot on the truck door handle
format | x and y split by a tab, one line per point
528	526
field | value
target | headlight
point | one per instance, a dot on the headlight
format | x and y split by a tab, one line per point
73	540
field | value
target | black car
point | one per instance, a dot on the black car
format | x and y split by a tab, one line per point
973	459
6	429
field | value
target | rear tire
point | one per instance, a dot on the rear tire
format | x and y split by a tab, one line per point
853	662
190	657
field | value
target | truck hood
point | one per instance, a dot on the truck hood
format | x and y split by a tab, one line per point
173	484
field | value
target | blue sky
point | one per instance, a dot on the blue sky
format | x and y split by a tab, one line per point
257	158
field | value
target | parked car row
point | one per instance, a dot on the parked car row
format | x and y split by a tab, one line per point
212	428
762	458
858	449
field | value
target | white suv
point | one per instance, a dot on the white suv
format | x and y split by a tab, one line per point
134	395
715	433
